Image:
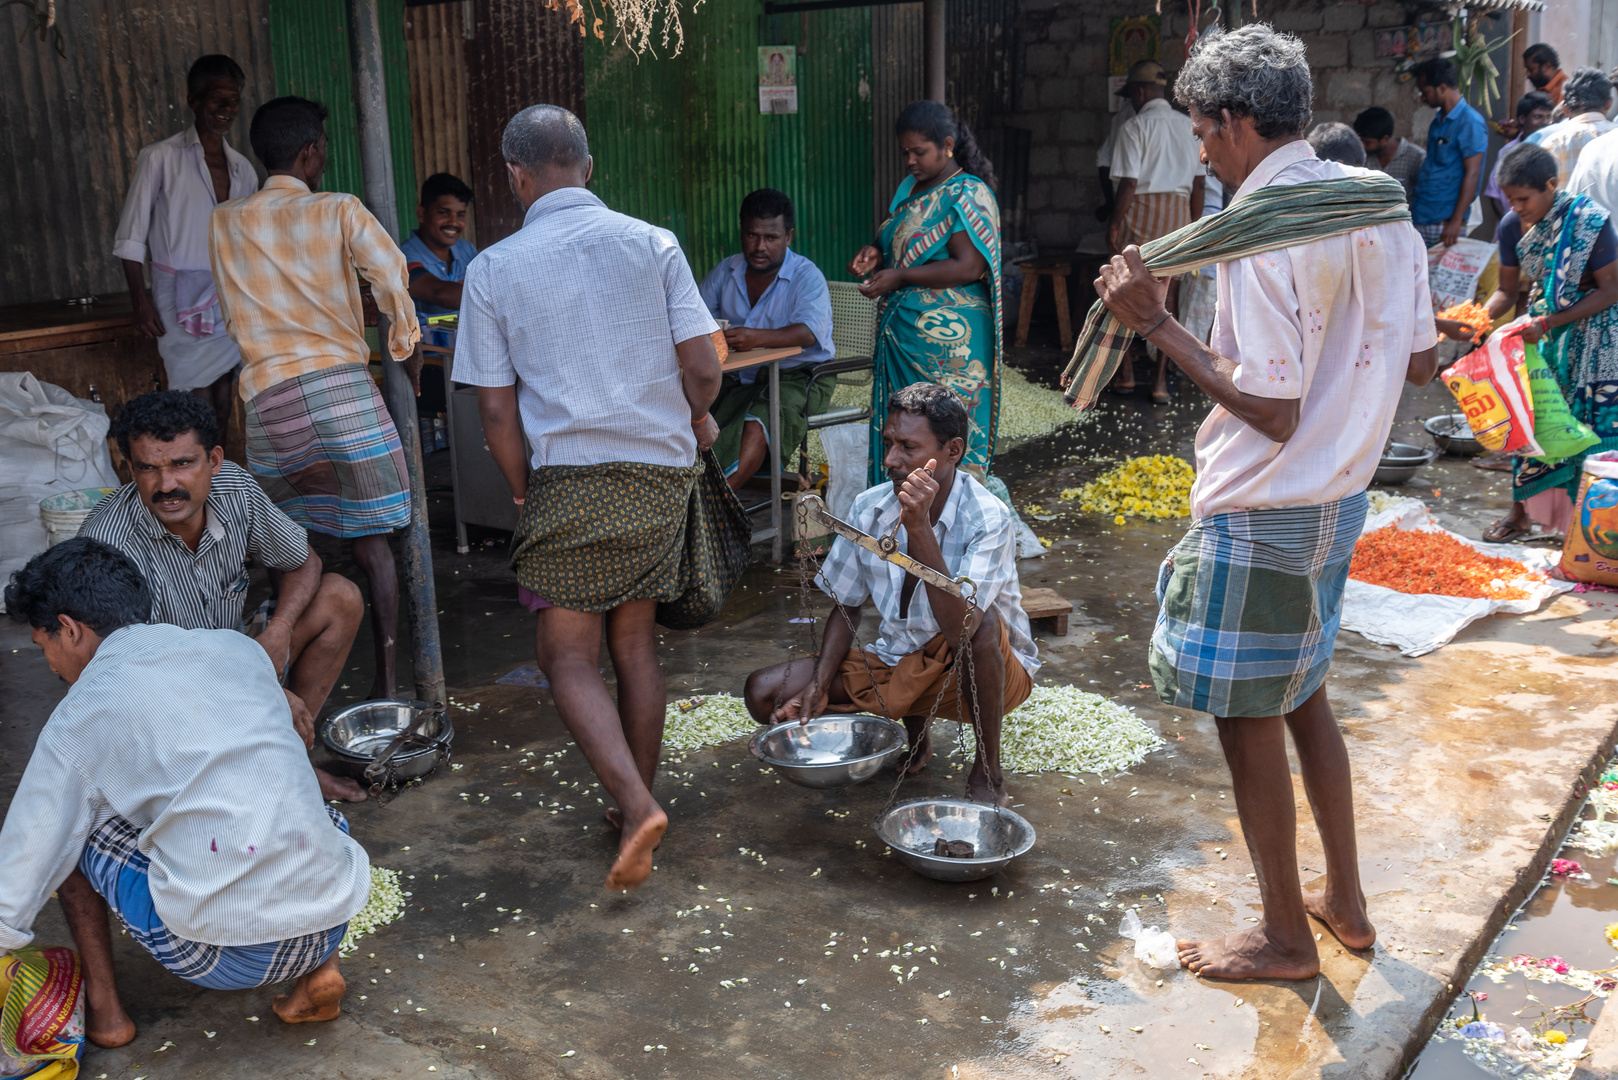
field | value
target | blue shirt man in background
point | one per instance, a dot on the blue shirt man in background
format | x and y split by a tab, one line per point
1456	140
772	298
437	253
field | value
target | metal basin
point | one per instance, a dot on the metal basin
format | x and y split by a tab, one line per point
1453	435
1400	462
830	751
911	829
360	732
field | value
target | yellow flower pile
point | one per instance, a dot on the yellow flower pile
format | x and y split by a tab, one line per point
1155	487
1612	934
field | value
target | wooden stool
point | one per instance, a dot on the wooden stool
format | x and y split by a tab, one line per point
1057	270
1049	606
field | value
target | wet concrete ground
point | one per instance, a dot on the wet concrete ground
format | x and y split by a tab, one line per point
512	961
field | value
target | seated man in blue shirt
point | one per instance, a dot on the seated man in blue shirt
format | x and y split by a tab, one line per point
437	252
1450	177
773	298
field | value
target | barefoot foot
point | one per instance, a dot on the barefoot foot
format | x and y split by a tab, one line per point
979	788
1248	954
634	863
919	754
338	787
314	997
1348	921
109	1027
615	818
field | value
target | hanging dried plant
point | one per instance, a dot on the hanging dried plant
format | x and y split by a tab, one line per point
41	20
642	25
1474	70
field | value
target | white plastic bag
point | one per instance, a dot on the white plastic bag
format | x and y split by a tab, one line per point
48	436
1153	947
848	448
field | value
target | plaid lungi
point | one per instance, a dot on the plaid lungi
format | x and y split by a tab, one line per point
1249	607
595	537
117	869
325	450
1155	215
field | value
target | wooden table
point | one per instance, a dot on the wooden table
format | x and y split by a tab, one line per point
738	361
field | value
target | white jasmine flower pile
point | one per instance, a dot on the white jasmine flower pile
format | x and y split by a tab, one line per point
1067	730
710	720
386	903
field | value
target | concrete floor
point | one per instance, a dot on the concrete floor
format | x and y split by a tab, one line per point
513	961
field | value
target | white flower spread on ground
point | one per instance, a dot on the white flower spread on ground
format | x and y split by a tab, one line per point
1068	730
1058	729
694	723
384	905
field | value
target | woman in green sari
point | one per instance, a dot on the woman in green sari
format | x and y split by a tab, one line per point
935	271
1564	250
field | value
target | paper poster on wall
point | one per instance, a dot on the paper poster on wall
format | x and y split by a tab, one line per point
1453	272
1133	39
777	79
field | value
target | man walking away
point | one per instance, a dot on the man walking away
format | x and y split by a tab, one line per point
1585	100
1596	175
1311	347
1399	158
1160	182
585	331
1332	141
1456	139
319	437
1544	69
176	186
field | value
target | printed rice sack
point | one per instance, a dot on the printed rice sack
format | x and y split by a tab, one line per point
1491	386
42	1024
1556	429
1590	552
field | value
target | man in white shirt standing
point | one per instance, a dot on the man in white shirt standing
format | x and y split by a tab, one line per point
1160	183
584	331
177	184
207	837
1311	347
1596	174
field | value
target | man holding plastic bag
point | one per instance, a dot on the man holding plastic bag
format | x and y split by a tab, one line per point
1564	247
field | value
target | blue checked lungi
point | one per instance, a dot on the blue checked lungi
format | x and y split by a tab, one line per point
324	448
1249	605
117	869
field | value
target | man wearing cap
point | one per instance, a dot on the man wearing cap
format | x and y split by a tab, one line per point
1160	180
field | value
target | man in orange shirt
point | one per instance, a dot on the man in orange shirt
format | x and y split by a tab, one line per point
287	261
1544	70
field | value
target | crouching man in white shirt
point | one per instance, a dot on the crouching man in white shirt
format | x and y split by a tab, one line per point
208	839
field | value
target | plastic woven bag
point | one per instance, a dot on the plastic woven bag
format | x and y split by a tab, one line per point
1557	431
1153	947
42	1024
1491	386
1590	551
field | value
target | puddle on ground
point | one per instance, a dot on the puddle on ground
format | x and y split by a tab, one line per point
1566	918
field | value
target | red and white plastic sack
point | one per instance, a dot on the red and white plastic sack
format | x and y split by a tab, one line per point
1491	386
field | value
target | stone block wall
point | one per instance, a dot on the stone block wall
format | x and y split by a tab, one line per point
1064	93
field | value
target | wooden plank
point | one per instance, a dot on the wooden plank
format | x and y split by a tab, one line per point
24	322
1049	606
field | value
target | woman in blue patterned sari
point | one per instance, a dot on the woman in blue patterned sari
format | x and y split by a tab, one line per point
935	271
1564	249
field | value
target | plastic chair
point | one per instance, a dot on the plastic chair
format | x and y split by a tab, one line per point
853	332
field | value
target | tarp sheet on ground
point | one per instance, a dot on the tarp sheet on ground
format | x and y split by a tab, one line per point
1419	623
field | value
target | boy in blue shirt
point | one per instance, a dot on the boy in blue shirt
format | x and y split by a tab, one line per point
437	253
1456	139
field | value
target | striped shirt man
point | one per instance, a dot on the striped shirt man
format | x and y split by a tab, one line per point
211	773
203	589
290	296
978	540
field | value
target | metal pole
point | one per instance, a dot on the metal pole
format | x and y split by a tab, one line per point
932	34
376	166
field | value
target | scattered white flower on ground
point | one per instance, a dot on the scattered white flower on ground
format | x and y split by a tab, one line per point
709	720
384	905
1065	729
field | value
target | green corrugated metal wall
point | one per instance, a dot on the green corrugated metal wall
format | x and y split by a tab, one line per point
680	141
309	47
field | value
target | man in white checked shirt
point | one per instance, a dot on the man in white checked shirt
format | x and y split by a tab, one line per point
950	522
206	836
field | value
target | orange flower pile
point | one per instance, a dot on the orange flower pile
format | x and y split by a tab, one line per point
1472	314
1435	563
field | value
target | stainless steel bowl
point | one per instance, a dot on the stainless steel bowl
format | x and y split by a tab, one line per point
1400	462
1453	434
830	751
357	734
911	829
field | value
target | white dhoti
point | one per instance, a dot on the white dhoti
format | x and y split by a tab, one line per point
190	361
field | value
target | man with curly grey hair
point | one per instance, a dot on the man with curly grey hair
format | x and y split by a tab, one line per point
1311	345
1585	99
